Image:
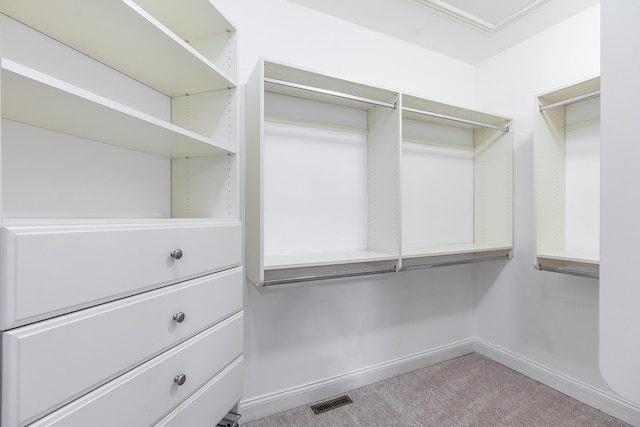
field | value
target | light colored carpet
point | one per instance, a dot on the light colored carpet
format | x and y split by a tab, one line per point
471	390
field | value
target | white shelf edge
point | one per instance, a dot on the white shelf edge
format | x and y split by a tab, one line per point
571	256
452	249
155	136
79	224
278	262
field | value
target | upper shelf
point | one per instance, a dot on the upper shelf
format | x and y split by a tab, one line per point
306	84
569	92
124	36
31	97
459	117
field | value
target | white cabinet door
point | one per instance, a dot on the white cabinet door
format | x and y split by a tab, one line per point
52	270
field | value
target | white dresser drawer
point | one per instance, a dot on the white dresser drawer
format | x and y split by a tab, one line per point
49	363
211	403
52	270
145	394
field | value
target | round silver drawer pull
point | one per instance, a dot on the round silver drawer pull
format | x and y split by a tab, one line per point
179	317
180	379
177	254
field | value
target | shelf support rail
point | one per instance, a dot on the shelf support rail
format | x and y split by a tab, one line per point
458	262
287	280
573	100
580	273
329	92
455	119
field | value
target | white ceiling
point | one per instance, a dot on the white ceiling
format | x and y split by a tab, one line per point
469	30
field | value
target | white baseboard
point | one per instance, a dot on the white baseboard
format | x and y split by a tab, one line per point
604	401
255	408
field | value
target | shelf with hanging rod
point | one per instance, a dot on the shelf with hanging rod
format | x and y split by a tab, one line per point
456	184
336	185
567	147
322	161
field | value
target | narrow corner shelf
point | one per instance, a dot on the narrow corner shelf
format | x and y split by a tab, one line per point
567	159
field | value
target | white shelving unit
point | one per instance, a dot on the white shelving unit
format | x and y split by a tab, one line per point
567	138
119	195
457	184
322	182
325	163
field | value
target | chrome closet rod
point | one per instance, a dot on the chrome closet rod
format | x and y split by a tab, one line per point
329	92
326	276
455	119
460	262
571	100
571	272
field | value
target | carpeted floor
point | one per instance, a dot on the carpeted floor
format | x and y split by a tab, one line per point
471	390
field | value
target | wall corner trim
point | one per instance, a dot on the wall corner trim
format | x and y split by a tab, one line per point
606	402
262	406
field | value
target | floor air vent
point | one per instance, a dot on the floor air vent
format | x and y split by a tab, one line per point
331	404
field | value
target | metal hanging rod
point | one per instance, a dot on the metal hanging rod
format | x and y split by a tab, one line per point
571	100
591	275
287	280
329	92
459	262
455	119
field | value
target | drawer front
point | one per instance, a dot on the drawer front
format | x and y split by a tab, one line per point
49	271
211	403
148	392
49	363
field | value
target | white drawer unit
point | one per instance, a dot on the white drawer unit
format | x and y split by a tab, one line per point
50	270
49	363
147	393
120	232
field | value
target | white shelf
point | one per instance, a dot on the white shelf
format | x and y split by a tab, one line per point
124	36
300	76
35	98
324	259
467	114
